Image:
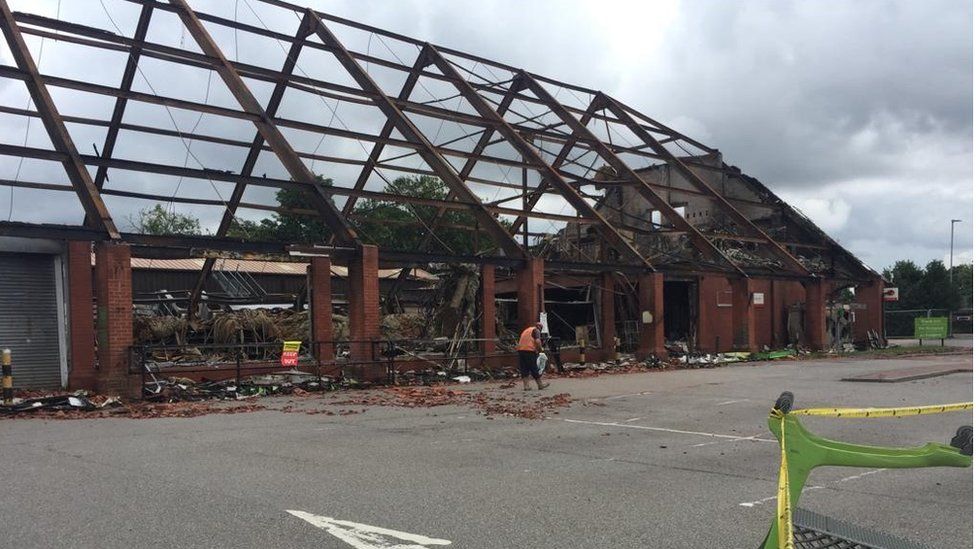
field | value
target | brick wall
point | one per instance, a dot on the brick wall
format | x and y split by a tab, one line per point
650	297
113	292
871	316
81	321
530	292
364	303
714	314
320	307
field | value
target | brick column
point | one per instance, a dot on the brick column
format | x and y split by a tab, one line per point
650	297
815	314
320	307
608	318
487	297
871	317
743	315
81	321
113	292
530	292
364	303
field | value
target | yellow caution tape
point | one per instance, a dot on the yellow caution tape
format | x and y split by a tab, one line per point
885	412
784	512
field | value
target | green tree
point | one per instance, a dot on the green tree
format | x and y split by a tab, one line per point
402	226
962	279
160	221
906	276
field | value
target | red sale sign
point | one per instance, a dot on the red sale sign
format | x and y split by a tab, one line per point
289	353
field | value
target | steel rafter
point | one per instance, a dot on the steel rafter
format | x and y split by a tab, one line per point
128	76
539	191
579	129
81	180
253	153
427	151
529	152
626	119
374	155
319	198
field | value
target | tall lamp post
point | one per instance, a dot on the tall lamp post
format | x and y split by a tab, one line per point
952	236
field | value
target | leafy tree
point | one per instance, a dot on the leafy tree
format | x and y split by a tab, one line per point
160	221
388	224
930	288
403	226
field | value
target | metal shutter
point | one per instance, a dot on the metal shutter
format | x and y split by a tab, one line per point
29	319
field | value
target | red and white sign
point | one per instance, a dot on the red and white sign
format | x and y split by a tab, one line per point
289	352
890	294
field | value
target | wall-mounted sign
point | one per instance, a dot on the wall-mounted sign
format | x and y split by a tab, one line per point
890	294
758	298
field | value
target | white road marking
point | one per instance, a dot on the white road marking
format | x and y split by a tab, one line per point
632	419
845	479
732	401
773	498
364	536
665	430
864	474
753	437
615	397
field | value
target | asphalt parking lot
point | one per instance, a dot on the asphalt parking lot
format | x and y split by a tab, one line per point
678	459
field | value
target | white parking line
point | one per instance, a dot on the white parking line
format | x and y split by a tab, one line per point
732	401
845	479
773	498
665	430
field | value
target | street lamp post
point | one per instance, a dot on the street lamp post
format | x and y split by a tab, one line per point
952	235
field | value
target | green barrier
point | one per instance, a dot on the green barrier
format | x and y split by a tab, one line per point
802	451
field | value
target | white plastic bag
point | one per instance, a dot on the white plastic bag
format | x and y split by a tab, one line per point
541	362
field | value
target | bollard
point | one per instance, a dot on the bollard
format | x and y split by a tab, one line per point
582	348
8	379
616	348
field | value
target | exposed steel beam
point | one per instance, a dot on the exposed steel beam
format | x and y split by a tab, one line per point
705	246
80	179
253	153
528	152
427	150
628	120
265	125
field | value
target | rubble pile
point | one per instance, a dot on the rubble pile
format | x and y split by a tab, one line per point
488	402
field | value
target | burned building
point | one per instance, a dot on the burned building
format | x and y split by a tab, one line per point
576	204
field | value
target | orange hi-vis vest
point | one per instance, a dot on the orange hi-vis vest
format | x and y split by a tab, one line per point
526	341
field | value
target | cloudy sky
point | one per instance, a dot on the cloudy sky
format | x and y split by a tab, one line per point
859	113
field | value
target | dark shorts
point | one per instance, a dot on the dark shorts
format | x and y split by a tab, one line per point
528	363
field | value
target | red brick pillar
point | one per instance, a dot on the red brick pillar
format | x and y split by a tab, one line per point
81	321
869	314
608	318
815	314
487	296
650	297
530	292
364	304
743	315
113	292
320	308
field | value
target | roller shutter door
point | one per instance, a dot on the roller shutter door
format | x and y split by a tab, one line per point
29	319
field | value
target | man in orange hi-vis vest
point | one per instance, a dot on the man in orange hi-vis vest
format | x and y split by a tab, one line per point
529	347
